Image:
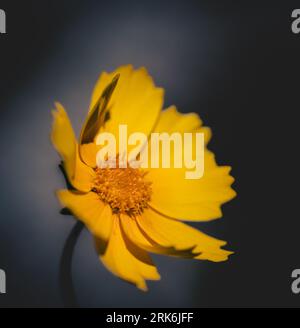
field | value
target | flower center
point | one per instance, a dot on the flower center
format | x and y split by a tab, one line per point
125	189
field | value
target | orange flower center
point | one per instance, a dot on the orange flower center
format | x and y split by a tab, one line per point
126	190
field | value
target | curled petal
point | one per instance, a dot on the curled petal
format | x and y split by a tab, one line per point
63	138
126	260
181	236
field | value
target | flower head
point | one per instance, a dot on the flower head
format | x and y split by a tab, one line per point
132	212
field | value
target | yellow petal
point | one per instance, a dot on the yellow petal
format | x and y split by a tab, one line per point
181	236
64	141
139	238
97	115
104	80
89	209
194	200
84	176
189	199
173	121
126	260
89	153
135	102
63	138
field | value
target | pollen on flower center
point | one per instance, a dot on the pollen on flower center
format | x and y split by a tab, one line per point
125	189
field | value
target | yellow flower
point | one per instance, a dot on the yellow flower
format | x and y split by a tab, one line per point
132	212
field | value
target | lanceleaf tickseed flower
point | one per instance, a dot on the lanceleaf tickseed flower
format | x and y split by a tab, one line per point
132	212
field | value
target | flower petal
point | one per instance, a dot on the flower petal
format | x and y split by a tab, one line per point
89	153
89	209
137	236
64	141
194	200
126	260
97	115
172	121
189	199
135	102
181	236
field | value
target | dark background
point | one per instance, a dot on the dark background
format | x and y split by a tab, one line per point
237	65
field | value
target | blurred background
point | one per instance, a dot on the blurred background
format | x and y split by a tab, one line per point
235	64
